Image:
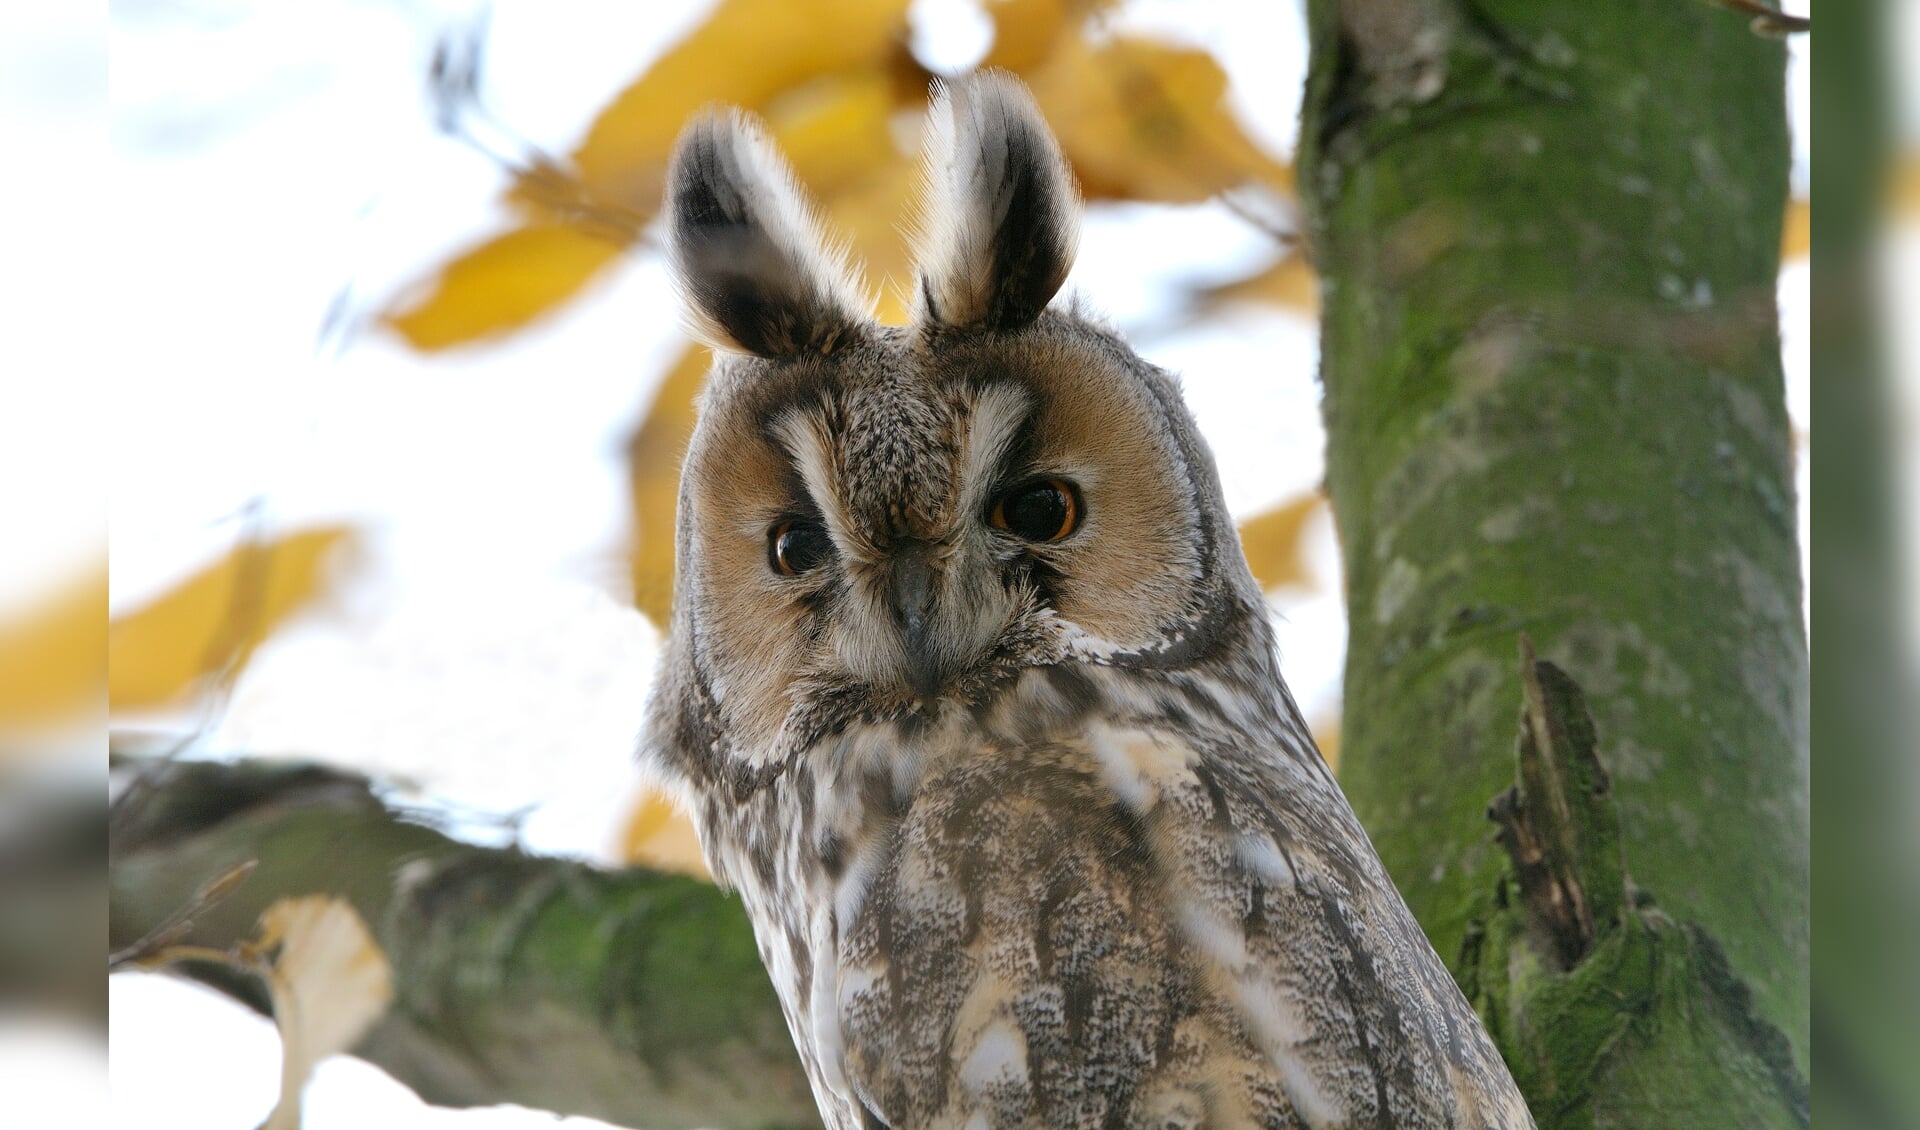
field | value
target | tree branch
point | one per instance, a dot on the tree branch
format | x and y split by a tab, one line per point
634	997
1608	1010
1558	822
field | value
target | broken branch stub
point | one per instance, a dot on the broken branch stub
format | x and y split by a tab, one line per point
1558	823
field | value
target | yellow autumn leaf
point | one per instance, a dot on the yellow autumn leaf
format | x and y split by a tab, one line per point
1796	235
1025	32
747	52
583	217
1274	545
503	284
882	247
1145	120
53	659
1326	735
158	654
653	482
839	136
329	982
1138	119
1288	282
659	835
1903	195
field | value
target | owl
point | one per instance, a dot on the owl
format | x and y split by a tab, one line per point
976	704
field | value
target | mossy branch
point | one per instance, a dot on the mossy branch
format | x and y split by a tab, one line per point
632	996
1609	1012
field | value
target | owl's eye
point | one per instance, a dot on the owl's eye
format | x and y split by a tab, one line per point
794	547
1041	510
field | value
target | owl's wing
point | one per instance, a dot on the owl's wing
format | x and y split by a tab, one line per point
1139	930
1282	898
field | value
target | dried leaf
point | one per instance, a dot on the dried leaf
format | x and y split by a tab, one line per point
747	52
214	620
1025	32
836	131
503	284
1796	235
329	982
1274	545
1139	120
1144	120
839	135
1903	196
1326	735
653	482
659	835
859	217
1288	282
53	660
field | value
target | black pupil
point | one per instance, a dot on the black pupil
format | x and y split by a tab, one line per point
799	547
1035	512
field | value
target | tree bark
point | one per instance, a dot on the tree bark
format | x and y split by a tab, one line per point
634	997
1549	237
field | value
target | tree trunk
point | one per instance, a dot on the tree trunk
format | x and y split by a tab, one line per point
634	997
1549	237
1869	869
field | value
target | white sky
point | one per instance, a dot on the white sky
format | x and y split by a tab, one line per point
266	159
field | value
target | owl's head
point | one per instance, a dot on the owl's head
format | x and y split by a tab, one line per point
890	522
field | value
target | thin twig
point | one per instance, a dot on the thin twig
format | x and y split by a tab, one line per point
226	654
158	946
1766	21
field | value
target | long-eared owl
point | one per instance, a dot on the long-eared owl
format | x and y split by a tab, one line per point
976	704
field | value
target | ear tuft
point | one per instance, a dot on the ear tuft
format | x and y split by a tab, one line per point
753	268
1000	218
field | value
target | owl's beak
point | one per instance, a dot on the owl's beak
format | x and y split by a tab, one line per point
913	606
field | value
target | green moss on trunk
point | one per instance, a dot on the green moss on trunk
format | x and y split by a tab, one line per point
1549	240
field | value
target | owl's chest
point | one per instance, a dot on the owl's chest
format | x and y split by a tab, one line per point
896	841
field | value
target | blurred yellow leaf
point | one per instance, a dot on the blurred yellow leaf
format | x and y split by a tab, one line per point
1144	120
329	981
1326	735
653	481
1273	542
1288	281
1025	32
159	653
1903	197
838	133
857	215
1139	119
747	52
1796	236
659	835
53	659
503	284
